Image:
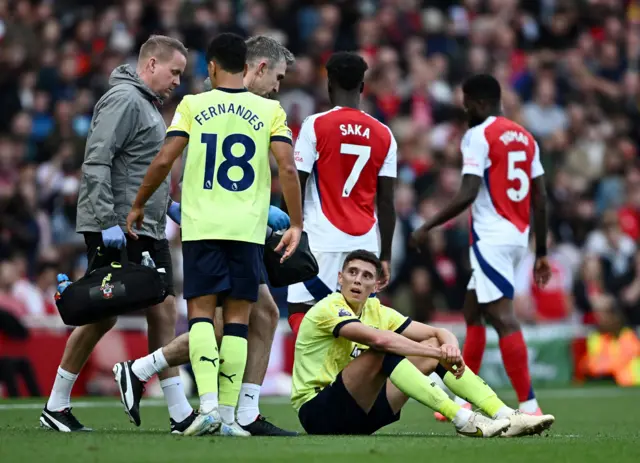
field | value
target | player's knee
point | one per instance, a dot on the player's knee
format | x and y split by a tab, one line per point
265	314
503	319
432	342
163	316
103	326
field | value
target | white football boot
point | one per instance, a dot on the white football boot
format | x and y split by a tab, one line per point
481	426
233	430
205	423
523	424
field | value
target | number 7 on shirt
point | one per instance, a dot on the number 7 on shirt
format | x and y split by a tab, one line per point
363	153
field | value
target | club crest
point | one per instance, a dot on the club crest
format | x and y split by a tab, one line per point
106	288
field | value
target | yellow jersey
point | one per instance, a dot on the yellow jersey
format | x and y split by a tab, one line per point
321	354
227	177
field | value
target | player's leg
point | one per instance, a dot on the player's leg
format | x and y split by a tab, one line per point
206	275
476	338
302	296
472	388
263	323
245	273
387	408
494	274
57	412
364	382
474	343
296	314
162	320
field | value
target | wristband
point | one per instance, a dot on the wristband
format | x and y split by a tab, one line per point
541	252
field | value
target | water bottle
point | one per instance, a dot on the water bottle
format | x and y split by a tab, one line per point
63	283
147	261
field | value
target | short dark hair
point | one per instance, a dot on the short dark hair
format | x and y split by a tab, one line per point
365	256
346	70
482	87
229	51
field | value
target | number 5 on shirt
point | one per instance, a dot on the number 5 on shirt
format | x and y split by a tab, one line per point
363	153
516	173
248	174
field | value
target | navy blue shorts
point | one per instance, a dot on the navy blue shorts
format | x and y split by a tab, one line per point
222	267
334	411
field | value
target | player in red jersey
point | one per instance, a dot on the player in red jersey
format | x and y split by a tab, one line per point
347	164
502	180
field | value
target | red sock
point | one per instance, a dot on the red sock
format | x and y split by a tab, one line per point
294	322
473	348
516	363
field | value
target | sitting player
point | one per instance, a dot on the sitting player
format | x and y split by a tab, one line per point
357	363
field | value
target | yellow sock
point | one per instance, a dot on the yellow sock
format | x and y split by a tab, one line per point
473	389
233	353
203	353
406	377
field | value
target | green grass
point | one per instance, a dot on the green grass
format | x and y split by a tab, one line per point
598	424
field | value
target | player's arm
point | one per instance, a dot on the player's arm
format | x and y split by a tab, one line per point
419	332
475	151
386	341
386	209
302	178
111	130
174	144
304	156
282	149
542	269
539	206
464	198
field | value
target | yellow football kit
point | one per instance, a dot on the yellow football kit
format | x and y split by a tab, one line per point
227	177
321	355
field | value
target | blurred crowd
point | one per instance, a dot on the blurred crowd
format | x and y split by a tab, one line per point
569	71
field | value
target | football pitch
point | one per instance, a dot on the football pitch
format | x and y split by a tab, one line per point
593	424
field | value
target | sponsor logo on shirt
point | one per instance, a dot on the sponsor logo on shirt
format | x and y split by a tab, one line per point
344	313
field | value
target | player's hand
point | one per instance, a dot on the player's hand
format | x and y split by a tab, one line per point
450	354
289	242
136	216
456	369
383	282
418	238
542	272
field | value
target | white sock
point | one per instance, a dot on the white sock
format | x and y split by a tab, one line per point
248	403
227	413
208	402
462	417
179	406
530	406
60	397
144	368
460	401
435	377
504	412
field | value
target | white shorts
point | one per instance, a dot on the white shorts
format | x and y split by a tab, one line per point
319	287
494	268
